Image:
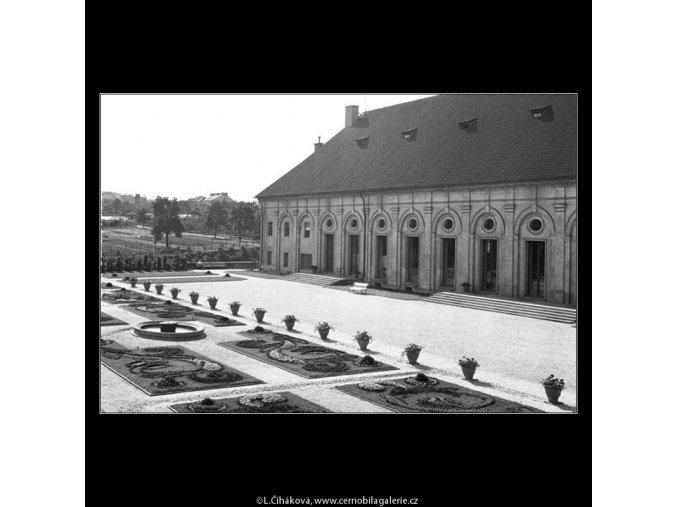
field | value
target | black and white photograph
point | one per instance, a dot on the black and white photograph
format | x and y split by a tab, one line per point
355	253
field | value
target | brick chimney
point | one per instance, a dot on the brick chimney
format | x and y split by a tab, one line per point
318	145
351	115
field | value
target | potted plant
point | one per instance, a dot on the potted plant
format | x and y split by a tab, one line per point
314	269
323	328
235	307
175	292
412	351
212	302
553	388
146	285
468	365
132	281
289	321
168	326
159	287
259	313
363	339
466	286
193	297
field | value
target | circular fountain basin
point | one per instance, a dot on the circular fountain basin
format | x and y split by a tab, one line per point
163	330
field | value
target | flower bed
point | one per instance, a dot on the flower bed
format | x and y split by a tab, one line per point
164	370
300	356
108	320
264	403
161	310
433	395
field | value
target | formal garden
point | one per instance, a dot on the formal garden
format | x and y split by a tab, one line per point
161	340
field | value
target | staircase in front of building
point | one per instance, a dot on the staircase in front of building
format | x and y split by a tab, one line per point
320	280
513	307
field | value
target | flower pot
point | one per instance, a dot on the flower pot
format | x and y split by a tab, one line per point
412	356
553	394
259	316
363	342
193	299
324	333
146	286
159	289
466	288
468	371
234	309
132	283
289	324
212	304
175	294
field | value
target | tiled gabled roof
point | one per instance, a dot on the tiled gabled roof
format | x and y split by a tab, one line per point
510	145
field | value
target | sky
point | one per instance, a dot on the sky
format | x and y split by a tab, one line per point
189	145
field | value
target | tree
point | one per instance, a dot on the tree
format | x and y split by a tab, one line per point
216	217
242	219
166	219
142	216
117	206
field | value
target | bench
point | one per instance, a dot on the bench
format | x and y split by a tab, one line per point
358	287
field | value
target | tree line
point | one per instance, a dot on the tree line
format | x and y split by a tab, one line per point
241	219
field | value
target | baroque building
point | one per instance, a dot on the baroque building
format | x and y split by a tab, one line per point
433	193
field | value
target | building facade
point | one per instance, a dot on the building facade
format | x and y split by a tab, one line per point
502	218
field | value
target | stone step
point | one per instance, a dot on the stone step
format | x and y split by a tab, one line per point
492	304
519	308
319	280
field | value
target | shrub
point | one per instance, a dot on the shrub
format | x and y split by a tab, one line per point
552	381
422	377
468	361
119	265
363	335
412	347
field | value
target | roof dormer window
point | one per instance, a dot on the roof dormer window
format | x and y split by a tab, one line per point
411	134
469	126
543	113
362	142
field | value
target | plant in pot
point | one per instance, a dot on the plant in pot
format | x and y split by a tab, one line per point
553	388
235	307
159	287
313	268
363	339
412	351
193	297
146	285
133	281
212	300
259	313
175	292
468	365
466	286
289	321
323	328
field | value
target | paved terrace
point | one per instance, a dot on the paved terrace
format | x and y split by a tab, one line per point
514	353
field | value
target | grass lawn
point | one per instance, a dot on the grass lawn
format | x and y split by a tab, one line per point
300	356
167	280
264	403
156	274
410	395
165	370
